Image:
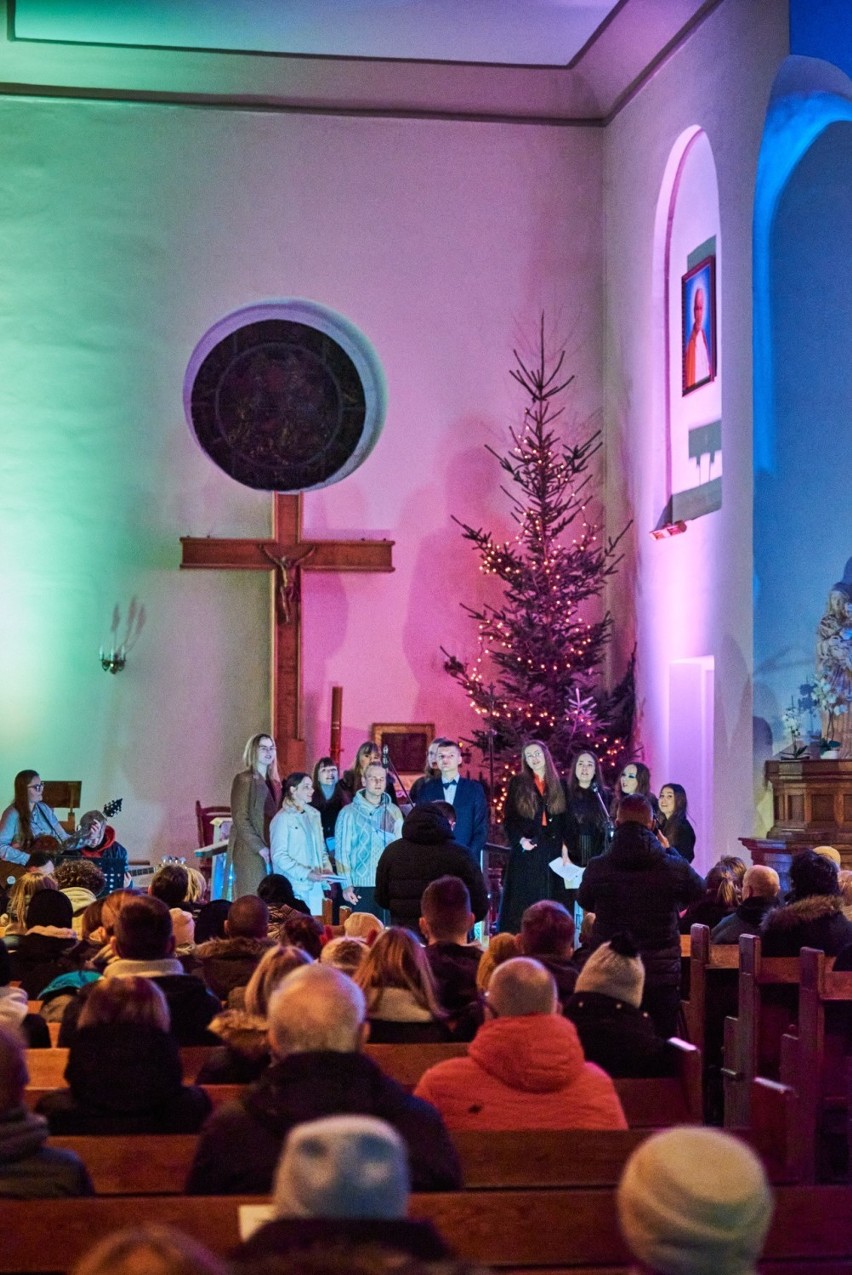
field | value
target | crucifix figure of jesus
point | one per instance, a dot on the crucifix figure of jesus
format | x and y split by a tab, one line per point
286	555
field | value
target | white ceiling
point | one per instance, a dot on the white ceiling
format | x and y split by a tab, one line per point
511	32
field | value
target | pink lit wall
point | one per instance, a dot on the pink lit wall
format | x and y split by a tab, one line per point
691	594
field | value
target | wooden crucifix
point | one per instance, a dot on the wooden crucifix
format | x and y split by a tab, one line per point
286	555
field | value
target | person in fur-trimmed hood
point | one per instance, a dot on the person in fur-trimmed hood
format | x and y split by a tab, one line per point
229	963
813	914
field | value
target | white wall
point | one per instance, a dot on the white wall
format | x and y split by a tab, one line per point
720	81
128	229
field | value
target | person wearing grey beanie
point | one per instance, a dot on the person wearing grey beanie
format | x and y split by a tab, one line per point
343	1180
694	1201
614	1031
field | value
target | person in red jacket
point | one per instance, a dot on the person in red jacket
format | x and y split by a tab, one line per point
525	1068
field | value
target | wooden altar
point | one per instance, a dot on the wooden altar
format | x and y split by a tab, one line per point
812	806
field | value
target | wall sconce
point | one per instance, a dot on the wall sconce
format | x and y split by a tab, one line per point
114	656
669	529
113	661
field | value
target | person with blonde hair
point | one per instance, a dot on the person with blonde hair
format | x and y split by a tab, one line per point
344	954
316	1033
244	1052
501	947
20	896
149	1249
363	925
402	1003
255	797
124	1067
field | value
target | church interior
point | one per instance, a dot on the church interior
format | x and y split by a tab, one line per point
433	187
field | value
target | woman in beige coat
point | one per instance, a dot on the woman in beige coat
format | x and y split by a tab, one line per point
255	797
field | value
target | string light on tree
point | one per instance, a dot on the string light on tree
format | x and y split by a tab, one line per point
540	656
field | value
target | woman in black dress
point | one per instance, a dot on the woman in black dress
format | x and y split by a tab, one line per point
534	821
675	829
588	827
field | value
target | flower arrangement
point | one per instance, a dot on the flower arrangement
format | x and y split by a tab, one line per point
828	700
792	722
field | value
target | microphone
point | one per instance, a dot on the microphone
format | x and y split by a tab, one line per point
385	756
594	786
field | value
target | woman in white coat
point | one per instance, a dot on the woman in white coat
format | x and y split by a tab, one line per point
297	843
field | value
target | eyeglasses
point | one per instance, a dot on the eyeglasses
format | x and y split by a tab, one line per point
38	787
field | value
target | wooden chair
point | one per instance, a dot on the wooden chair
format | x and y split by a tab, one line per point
204	816
63	794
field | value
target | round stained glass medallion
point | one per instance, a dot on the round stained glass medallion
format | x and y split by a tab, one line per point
286	396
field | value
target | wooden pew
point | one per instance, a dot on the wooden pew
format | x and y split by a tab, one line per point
767	996
553	1230
47	1066
814	1059
712	982
158	1164
218	1094
648	1104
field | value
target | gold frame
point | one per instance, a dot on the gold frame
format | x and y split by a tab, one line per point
379	730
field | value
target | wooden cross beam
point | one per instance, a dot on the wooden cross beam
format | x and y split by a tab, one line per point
286	555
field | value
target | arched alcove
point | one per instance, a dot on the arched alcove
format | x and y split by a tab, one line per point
803	377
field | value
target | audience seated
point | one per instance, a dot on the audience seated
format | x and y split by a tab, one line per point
230	962
402	1004
49	947
501	947
14	1008
813	913
170	884
547	935
761	888
342	1181
445	922
149	1249
197	891
425	851
43	859
19	900
694	1201
124	1069
278	895
244	1055
638	887
82	881
721	897
298	930
614	1032
316	1030
143	944
210	921
525	1068
363	925
344	954
28	1168
585	947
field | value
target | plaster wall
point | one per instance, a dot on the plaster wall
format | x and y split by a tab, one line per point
128	229
691	594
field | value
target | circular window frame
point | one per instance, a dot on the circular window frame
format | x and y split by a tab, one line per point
348	337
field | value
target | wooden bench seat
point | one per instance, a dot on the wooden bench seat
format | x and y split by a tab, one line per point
549	1230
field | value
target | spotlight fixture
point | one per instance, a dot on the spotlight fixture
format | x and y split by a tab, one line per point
669	529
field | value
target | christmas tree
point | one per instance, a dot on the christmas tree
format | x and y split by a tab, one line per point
538	671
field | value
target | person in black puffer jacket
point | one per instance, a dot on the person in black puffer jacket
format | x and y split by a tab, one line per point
124	1069
613	1030
639	887
424	852
813	914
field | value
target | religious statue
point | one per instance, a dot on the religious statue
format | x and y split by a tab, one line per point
833	689
286	582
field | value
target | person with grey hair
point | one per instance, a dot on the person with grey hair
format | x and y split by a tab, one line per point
525	1068
342	1180
694	1201
317	1029
761	891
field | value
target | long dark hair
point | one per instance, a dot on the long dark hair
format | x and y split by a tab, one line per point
679	813
319	798
354	777
643	785
526	793
573	783
21	802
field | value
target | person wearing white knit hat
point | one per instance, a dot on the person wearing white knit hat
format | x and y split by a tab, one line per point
614	1031
694	1201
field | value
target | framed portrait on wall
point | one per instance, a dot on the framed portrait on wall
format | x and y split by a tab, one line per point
698	324
407	744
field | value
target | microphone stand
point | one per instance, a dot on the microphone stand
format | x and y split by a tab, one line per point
608	824
394	774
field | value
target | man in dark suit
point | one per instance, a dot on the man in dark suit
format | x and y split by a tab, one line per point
466	796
